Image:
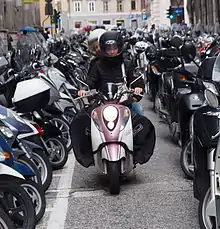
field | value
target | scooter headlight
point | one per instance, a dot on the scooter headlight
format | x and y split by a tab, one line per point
125	118
94	116
6	132
110	114
154	70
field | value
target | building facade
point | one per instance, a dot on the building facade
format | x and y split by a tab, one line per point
14	15
80	13
206	12
156	11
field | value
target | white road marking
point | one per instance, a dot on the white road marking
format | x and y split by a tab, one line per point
60	208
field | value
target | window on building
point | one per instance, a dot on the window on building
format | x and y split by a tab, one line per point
105	6
106	22
77	6
133	5
91	5
119	6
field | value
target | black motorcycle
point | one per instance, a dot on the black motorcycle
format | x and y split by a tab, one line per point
206	148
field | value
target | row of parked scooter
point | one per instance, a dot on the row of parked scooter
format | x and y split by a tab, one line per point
185	92
37	106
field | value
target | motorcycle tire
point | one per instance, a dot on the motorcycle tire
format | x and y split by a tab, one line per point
54	144
205	221
5	221
37	196
30	164
13	194
41	159
185	165
114	174
62	123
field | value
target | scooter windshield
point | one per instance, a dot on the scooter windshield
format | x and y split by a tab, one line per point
216	70
111	90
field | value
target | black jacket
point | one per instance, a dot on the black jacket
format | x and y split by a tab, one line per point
92	64
105	71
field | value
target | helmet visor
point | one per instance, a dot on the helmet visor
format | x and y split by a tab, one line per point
111	48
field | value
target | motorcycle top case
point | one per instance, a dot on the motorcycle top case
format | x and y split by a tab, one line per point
31	95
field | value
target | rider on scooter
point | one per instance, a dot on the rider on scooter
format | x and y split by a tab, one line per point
93	43
109	68
111	63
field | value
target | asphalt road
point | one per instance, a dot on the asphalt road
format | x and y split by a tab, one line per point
155	195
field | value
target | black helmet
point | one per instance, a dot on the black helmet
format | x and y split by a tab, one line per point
188	51
151	52
111	44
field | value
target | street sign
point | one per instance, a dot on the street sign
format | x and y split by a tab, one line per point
144	16
179	11
131	16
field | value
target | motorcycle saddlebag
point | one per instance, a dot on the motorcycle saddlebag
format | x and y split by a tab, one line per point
144	138
81	139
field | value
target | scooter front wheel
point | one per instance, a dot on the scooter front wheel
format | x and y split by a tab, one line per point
206	221
36	193
114	173
185	160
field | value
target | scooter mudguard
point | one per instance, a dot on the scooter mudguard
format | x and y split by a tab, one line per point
30	145
6	170
23	169
50	130
17	153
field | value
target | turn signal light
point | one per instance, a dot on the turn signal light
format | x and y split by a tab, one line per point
182	77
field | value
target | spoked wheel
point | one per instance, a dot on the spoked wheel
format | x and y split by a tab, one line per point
42	162
18	205
186	160
63	126
30	164
58	154
5	222
174	132
37	196
114	174
205	220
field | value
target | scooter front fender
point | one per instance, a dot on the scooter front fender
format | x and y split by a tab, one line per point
113	152
6	170
23	169
30	145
